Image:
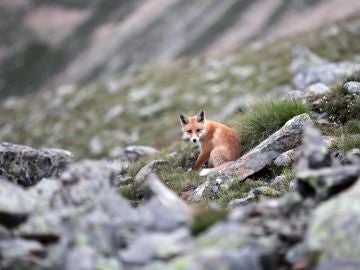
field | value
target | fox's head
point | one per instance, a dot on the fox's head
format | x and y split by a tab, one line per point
194	127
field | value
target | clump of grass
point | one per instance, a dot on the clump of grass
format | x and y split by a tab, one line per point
264	119
347	143
135	196
353	127
238	190
176	175
205	218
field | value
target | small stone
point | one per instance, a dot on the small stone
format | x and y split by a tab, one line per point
293	185
149	168
113	113
198	193
279	180
96	145
135	152
353	87
295	95
329	140
285	159
317	90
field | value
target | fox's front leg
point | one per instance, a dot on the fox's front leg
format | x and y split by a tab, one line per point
203	157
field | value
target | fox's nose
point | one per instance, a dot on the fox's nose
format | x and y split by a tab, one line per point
194	140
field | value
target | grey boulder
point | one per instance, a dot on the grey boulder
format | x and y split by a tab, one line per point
26	166
15	204
286	138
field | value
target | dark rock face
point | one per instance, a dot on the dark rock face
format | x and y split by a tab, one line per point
27	166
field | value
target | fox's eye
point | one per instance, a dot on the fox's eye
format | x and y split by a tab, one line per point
198	130
189	131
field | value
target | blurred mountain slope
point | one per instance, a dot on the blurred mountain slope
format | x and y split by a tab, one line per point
46	44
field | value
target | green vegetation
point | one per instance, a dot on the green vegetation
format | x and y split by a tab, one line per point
353	126
264	119
151	98
263	178
340	106
179	179
142	106
205	218
175	175
343	111
347	143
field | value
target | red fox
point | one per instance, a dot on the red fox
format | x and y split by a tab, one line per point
218	143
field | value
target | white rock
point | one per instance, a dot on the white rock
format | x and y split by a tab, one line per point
317	89
96	145
353	87
113	113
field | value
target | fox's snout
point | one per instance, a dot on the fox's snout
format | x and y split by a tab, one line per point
194	128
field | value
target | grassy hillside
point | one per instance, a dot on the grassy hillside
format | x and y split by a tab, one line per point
142	106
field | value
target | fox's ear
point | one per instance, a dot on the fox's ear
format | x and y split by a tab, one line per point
200	117
184	120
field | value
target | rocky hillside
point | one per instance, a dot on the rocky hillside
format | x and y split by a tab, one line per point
142	106
45	43
82	186
76	218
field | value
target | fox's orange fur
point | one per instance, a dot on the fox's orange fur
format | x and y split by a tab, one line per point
218	143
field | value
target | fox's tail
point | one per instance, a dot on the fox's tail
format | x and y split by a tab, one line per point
206	172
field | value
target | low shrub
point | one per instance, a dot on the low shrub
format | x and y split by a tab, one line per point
264	119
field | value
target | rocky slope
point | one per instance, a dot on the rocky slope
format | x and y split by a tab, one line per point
46	44
79	221
288	203
142	106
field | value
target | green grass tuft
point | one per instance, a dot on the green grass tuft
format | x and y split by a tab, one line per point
353	126
205	218
347	143
264	119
